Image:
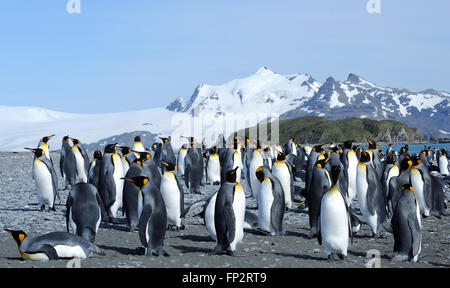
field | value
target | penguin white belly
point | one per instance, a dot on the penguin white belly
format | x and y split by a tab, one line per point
418	185
239	214
118	173
392	173
99	220
139	147
265	201
415	257
81	173
351	171
334	223
180	162
72	223
361	189
171	195
256	162
237	163
125	165
44	183
91	169
281	171
140	204
213	169
443	165
34	256
294	150
209	217
65	251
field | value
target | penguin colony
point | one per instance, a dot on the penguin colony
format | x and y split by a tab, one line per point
393	191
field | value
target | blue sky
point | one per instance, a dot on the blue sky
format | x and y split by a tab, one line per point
129	55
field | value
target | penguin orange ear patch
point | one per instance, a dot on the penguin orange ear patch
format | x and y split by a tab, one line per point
145	181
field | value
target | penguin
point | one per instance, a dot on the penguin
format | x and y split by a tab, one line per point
151	169
312	158
334	225
290	147
397	182
256	161
282	170
127	157
138	146
173	196
320	184
54	245
231	159
167	152
180	160
193	167
350	162
153	220
375	158
82	160
407	227
229	213
443	163
133	199
421	183
213	167
84	213
94	169
67	164
44	146
271	203
46	180
391	170
371	200
110	182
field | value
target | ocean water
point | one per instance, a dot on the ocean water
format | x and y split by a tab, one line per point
416	148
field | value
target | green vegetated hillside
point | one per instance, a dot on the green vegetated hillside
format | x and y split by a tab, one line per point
313	129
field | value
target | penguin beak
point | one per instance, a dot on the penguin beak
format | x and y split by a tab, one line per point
31	149
128	179
139	153
165	163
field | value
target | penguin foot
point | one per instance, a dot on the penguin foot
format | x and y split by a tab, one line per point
216	183
341	256
331	258
53	208
42	208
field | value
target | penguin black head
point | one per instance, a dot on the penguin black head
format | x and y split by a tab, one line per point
402	150
318	148
335	171
125	150
235	142
143	156
292	139
137	139
213	150
365	157
46	138
355	147
281	156
110	148
424	152
321	163
230	176
18	235
37	151
405	164
139	181
247	141
75	141
98	155
260	173
416	160
164	140
390	159
65	138
372	144
170	166
336	150
348	144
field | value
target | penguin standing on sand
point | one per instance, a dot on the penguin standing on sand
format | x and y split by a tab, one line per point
84	213
282	170
67	164
271	203
110	182
133	199
391	170
213	167
256	161
81	159
193	167
407	227
350	162
153	220
320	184
173	196
94	169
46	180
229	214
54	245
371	200
334	226
180	160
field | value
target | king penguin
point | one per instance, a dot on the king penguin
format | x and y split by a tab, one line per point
443	163
371	200
256	161
391	170
282	170
320	184
229	214
127	157
46	180
133	199
180	160
81	159
271	202
193	167
407	227
67	164
334	227
110	183
375	158
94	169
173	196
54	245
213	167
84	213
153	220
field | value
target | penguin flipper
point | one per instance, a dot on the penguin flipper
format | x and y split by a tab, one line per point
371	193
416	234
143	223
68	207
61	164
230	221
47	249
277	210
52	171
181	194
319	233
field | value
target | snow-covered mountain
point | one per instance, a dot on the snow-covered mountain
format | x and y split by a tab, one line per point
264	92
301	95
